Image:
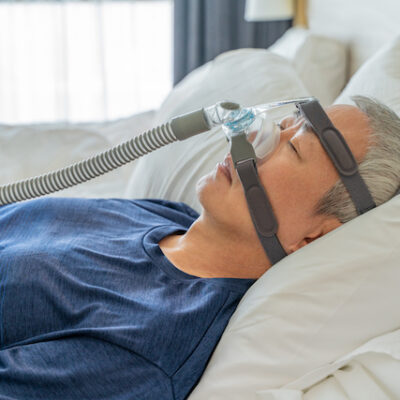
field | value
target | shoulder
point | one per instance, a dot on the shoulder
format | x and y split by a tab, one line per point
103	209
161	205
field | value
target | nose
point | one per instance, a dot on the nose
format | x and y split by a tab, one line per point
286	134
287	121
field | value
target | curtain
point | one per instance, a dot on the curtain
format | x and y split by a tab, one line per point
83	60
205	28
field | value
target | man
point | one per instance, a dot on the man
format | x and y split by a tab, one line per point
126	299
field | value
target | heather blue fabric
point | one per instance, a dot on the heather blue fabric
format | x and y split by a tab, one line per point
90	308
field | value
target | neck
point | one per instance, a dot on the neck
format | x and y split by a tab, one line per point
206	251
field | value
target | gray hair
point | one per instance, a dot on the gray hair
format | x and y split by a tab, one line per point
380	167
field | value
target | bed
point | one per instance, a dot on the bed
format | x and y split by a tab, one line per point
290	338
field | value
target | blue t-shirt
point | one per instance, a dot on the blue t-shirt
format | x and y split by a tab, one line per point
90	307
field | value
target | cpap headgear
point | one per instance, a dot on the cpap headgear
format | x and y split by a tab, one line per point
245	158
253	136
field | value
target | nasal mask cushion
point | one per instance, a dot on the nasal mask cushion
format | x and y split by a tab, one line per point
264	135
260	130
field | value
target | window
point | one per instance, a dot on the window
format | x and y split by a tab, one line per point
83	61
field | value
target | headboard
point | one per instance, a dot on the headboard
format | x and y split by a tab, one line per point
365	25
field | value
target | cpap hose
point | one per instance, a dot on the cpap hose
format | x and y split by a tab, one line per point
179	128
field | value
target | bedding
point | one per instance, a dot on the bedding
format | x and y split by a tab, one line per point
319	60
379	77
369	372
364	25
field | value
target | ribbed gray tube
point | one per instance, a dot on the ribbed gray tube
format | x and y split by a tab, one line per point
90	168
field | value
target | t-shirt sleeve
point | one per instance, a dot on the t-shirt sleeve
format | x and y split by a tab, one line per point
79	368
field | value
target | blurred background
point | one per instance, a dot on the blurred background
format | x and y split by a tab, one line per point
83	61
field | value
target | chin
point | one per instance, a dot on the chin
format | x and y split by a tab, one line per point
206	190
201	188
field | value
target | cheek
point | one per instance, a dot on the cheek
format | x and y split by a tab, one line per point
281	180
226	205
288	193
209	188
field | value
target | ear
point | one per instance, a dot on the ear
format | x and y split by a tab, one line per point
326	225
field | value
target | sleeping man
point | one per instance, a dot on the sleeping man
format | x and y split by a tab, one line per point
126	299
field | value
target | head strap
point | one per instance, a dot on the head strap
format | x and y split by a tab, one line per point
340	154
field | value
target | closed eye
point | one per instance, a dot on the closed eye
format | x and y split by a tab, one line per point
290	144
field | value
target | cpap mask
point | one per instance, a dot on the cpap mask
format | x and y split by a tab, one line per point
253	125
253	135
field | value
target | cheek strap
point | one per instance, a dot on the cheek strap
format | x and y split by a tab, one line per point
260	208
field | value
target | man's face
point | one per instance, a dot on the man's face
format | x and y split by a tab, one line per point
294	182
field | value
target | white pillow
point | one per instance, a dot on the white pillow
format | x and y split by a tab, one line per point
311	308
247	76
320	61
370	372
378	77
